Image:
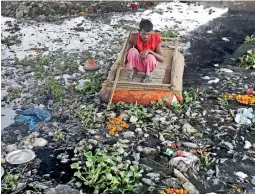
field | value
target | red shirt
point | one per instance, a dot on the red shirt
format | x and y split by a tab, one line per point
151	43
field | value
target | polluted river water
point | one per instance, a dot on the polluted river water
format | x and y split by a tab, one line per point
64	37
199	26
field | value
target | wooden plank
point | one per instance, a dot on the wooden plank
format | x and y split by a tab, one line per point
168	38
114	87
141	84
119	60
174	63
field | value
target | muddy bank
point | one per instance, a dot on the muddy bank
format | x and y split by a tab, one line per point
49	10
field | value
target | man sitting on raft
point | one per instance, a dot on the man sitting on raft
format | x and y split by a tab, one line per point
143	51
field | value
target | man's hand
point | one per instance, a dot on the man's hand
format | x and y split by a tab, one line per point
144	53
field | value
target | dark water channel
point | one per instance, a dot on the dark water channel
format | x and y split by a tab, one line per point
208	49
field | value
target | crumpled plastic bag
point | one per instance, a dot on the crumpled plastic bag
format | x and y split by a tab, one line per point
244	116
184	162
32	115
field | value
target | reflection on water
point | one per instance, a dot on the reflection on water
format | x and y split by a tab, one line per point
8	113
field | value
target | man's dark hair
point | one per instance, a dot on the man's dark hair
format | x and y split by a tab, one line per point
146	25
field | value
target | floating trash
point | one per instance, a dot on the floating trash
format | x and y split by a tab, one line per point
2	171
91	65
168	152
244	116
40	142
176	191
246	99
20	156
32	115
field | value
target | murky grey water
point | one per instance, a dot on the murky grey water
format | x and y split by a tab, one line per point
8	113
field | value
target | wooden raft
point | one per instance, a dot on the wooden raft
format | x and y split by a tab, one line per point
167	79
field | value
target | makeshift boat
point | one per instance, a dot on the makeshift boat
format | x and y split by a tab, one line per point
167	80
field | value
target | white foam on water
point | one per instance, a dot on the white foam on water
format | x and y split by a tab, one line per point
180	16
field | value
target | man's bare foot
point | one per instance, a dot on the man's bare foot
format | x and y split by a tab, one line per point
147	78
133	75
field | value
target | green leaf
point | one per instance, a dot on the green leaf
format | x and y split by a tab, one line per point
120	150
130	173
77	174
89	163
133	168
114	168
115	181
109	176
118	159
126	179
75	166
88	154
107	170
249	51
122	174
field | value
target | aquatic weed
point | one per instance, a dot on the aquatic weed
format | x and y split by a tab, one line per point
248	59
170	33
87	115
92	85
59	135
136	110
35	190
10	181
250	39
104	172
15	93
54	87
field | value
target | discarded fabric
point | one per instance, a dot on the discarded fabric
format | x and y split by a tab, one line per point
244	116
184	160
32	115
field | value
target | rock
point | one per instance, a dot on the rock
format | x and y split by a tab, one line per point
139	131
148	182
226	70
229	145
253	180
11	148
92	141
79	29
190	188
146	168
124	116
133	119
19	14
111	114
241	175
187	128
128	134
215	81
161	137
62	189
93	131
154	176
146	135
78	184
206	77
147	150
124	141
190	145
250	191
247	145
40	142
172	183
210	172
